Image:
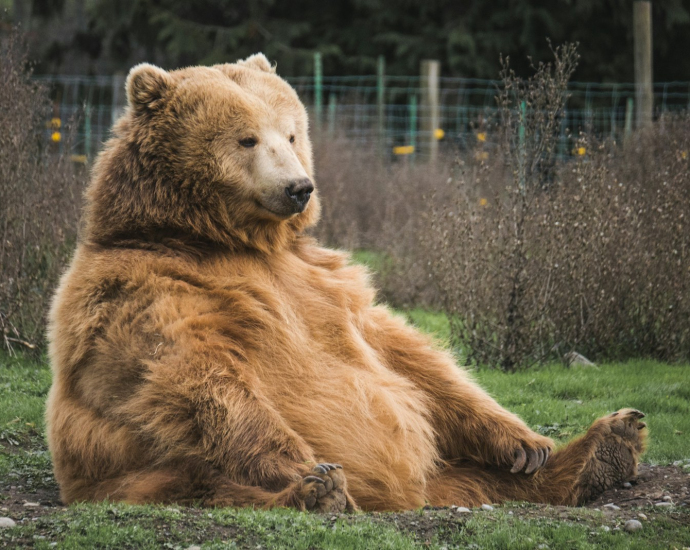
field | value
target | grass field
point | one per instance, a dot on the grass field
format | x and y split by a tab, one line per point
555	401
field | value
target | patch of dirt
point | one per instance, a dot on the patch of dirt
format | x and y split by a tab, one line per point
654	486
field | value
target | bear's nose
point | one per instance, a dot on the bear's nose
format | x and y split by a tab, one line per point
299	192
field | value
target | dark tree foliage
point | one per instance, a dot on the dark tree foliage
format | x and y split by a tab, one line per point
103	36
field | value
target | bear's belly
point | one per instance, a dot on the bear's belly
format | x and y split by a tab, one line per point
364	416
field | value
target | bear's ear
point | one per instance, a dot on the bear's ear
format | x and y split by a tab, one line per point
258	62
147	86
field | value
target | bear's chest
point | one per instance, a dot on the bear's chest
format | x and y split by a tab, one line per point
319	371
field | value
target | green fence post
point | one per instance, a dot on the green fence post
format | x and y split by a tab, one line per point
332	106
87	132
380	101
629	109
412	121
614	108
521	146
318	89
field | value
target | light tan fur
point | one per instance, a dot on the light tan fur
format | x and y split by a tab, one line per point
204	350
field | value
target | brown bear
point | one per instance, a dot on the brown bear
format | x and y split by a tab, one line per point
206	351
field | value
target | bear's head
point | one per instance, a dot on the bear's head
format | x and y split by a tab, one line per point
209	154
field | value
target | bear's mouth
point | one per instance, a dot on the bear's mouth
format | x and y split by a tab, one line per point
284	205
283	215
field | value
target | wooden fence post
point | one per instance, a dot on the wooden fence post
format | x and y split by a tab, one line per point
381	102
318	89
644	93
430	116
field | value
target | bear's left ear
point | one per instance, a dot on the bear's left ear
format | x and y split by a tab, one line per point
259	62
147	86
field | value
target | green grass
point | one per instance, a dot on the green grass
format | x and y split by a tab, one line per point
555	401
149	527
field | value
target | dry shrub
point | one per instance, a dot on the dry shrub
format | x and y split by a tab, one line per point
40	194
619	223
483	258
369	203
589	254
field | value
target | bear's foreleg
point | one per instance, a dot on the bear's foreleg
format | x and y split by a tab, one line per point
469	423
206	414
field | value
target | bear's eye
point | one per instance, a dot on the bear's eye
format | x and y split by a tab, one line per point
248	142
292	139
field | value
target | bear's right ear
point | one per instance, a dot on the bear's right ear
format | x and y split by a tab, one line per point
147	86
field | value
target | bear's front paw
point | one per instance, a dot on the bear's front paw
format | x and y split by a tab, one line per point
530	454
325	490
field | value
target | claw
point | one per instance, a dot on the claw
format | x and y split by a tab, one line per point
319	469
314	479
547	455
520	459
641	425
533	462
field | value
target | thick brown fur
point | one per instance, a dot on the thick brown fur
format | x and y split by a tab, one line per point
204	350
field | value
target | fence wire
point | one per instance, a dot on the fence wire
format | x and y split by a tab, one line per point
385	112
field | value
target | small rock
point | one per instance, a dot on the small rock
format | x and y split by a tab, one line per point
627	485
487	507
576	360
543	546
605	528
333	518
611	506
6	522
641	516
664	504
31	505
194	547
667	498
686	468
632	525
462	510
678	463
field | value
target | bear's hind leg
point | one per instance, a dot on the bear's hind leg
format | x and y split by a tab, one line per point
607	455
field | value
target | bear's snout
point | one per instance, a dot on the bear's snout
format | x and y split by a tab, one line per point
299	191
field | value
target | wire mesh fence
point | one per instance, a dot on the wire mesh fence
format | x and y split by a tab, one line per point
375	110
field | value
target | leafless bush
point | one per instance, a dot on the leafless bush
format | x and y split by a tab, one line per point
39	202
481	257
589	254
371	204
